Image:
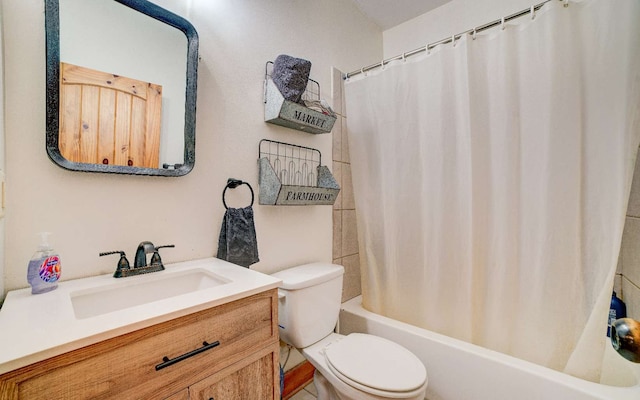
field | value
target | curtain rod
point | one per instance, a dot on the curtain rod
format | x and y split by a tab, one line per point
528	11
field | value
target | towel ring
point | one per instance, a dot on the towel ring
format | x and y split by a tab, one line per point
234	183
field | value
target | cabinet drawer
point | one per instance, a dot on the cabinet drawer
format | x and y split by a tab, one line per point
255	377
134	365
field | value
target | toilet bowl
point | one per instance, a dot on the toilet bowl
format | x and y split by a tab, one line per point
352	367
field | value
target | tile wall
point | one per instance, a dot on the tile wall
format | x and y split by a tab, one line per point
627	283
345	236
345	232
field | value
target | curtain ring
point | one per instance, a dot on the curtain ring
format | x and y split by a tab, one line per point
502	23
473	34
533	12
404	57
382	65
362	70
427	49
453	40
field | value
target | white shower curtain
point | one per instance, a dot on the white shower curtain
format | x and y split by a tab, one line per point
491	181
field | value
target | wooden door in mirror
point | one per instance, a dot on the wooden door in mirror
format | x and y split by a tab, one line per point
108	119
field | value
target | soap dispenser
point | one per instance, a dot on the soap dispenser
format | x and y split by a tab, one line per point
44	268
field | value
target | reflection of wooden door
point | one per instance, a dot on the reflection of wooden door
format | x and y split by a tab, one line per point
108	119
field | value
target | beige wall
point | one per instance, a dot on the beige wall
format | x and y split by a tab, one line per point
449	19
90	213
345	230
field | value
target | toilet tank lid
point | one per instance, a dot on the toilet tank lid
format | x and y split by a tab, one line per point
307	275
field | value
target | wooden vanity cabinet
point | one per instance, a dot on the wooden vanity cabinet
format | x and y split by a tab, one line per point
139	365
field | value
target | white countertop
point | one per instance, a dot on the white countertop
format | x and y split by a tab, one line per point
37	327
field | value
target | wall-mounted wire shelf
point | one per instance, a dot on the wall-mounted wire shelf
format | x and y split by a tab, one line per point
292	115
294	175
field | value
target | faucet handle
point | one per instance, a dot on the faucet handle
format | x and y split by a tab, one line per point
155	258
123	263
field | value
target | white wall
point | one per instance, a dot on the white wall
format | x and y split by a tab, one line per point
90	213
449	19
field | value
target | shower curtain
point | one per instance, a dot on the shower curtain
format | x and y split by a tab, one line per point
492	177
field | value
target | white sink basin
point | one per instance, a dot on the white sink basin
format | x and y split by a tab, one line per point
137	290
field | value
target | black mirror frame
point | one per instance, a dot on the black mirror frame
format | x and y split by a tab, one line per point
52	29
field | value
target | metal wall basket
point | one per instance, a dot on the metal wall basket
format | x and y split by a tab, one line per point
292	175
292	115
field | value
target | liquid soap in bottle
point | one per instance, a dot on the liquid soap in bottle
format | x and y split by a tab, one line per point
44	268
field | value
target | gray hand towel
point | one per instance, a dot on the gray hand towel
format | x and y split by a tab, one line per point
237	243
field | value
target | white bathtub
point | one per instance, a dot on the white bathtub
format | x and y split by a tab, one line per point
462	371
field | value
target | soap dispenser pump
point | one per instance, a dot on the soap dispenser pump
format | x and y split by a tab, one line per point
44	267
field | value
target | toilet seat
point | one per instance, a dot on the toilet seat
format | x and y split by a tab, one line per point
376	365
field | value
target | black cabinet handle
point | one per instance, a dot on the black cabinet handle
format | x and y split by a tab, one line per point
167	362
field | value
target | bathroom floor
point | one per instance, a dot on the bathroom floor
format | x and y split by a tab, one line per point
308	393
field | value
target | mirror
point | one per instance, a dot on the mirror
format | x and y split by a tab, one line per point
126	48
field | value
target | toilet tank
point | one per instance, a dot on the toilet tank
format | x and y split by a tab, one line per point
309	302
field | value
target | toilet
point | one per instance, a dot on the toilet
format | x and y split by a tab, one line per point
352	367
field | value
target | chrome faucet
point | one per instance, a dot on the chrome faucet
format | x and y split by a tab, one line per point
144	248
625	338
